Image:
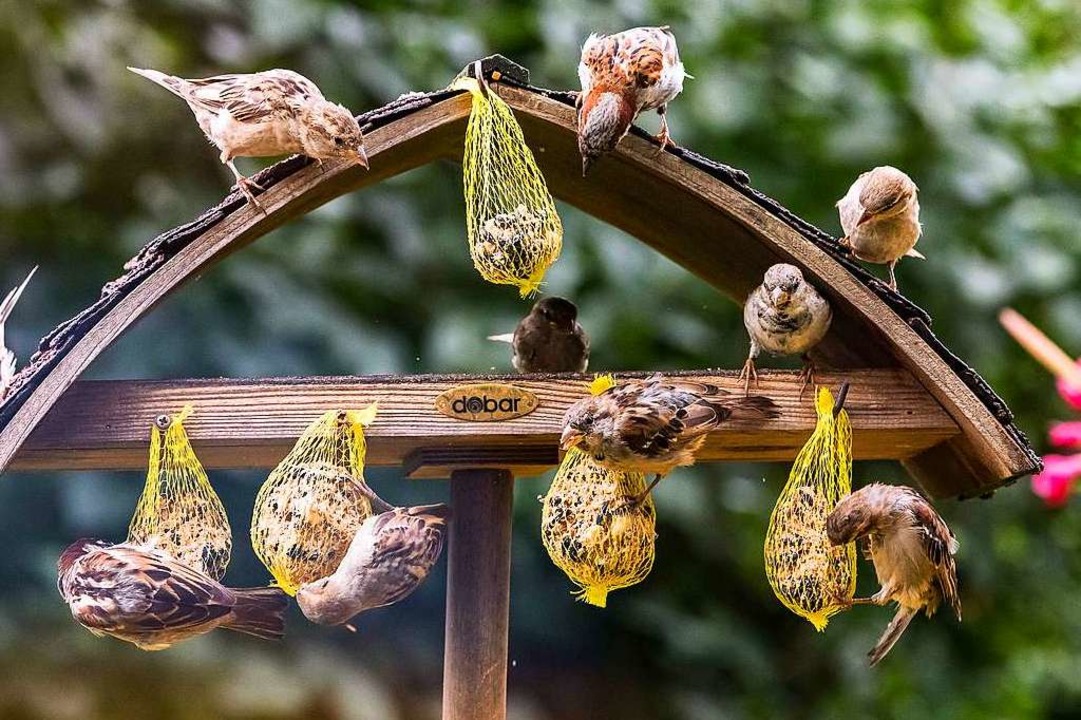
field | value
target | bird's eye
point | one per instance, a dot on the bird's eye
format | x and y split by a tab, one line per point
339	142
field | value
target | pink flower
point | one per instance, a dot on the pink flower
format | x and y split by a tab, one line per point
1070	393
1056	481
1065	434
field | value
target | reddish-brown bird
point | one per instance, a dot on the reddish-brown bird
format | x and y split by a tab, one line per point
623	75
654	425
143	596
912	550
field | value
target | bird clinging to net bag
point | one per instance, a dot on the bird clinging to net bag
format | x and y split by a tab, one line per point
811	576
312	504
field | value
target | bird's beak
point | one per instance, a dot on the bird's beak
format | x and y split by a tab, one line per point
570	438
865	218
361	156
779	297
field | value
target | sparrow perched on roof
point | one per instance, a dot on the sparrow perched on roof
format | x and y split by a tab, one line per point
623	75
880	215
7	357
784	315
654	425
549	339
275	112
143	596
390	556
912	550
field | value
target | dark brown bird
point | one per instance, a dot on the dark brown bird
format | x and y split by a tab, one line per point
142	596
912	550
549	339
390	556
654	425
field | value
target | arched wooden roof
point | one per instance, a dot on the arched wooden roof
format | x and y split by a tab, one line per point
703	215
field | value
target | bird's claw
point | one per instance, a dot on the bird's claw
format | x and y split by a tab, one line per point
746	374
807	376
245	185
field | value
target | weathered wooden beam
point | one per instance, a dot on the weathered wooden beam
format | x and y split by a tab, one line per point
253	423
478	596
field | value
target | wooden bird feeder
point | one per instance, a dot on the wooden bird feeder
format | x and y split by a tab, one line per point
911	399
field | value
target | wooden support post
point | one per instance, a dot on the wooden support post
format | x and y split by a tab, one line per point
478	596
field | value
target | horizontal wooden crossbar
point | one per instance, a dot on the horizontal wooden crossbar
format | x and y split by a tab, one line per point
253	423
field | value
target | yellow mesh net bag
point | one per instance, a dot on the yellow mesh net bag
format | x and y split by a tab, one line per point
515	233
311	505
590	530
179	512
813	578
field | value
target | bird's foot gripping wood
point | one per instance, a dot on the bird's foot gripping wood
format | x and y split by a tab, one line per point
246	186
664	137
806	375
749	372
893	277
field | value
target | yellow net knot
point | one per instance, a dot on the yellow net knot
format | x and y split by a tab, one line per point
178	512
514	230
592	530
812	577
311	505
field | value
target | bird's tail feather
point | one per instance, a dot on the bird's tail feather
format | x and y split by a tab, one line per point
753	407
439	511
891	634
260	612
505	337
13	297
171	83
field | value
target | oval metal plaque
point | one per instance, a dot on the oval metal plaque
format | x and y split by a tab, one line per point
486	402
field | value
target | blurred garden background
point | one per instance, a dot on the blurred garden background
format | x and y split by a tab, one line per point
977	99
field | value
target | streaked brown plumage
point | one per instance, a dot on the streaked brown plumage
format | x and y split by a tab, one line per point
912	550
623	75
390	556
264	114
142	596
549	339
655	425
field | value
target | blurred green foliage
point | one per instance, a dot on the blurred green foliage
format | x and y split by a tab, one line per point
977	99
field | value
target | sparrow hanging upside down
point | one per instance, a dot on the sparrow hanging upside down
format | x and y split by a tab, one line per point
654	425
784	315
880	215
390	556
143	596
275	112
549	339
623	75
912	550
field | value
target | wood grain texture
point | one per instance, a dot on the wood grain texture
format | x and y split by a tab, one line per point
254	423
478	596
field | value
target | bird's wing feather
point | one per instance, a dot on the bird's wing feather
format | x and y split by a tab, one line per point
411	539
658	416
254	98
176	596
940	545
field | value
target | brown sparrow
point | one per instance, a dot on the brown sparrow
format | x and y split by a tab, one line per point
880	215
784	315
390	556
143	596
7	357
654	425
912	550
549	339
263	114
623	75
